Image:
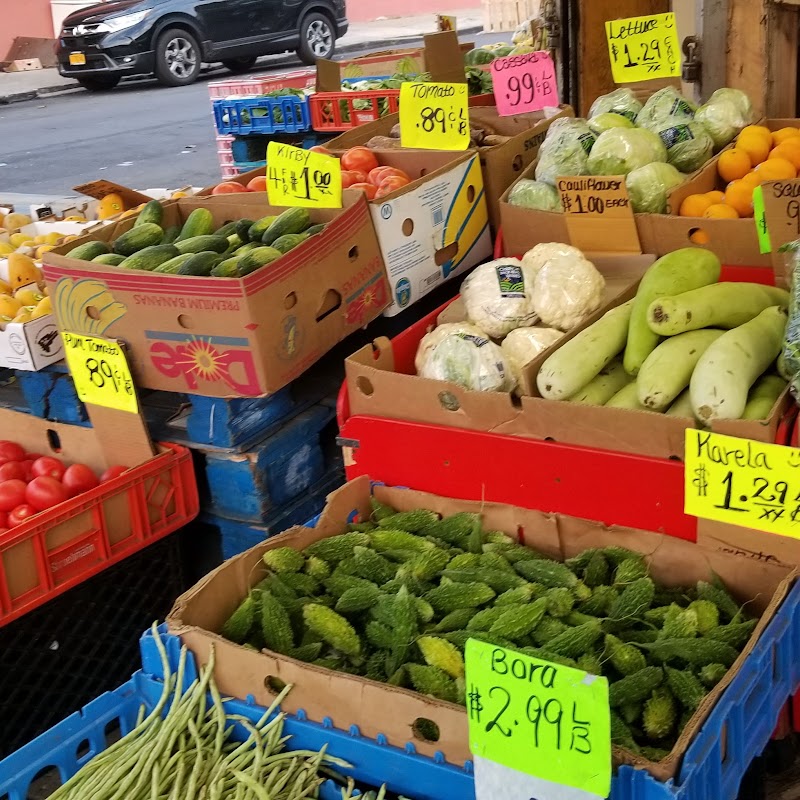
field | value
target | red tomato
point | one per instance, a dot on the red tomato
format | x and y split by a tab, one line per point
12	494
379	175
79	479
112	472
349	177
360	158
367	188
12	470
20	514
228	187
258	184
47	466
11	451
391	184
318	148
27	468
45	492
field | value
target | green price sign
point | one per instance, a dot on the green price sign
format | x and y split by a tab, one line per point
545	720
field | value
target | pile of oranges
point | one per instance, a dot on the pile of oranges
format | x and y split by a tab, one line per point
759	155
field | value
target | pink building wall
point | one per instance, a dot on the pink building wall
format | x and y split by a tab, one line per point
24	18
366	10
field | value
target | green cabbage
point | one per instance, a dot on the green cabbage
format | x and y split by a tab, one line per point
535	194
649	186
622	102
620	151
565	150
665	108
605	122
689	145
725	114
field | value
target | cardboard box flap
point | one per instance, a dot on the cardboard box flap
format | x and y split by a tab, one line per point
100	189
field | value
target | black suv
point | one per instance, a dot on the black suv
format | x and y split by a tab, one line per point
103	43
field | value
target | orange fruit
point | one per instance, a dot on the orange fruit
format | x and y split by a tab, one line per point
779	137
733	164
700	237
752	179
776	169
758	130
695	205
716	196
739	196
755	146
721	211
790	150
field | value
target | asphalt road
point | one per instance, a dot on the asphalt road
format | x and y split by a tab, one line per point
141	135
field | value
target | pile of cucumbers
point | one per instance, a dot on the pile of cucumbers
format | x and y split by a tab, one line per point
199	247
686	345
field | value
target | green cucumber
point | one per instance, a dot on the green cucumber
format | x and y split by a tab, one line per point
200	244
136	239
293	220
88	251
666	372
229	268
226	230
313	230
289	241
171	234
763	396
152	212
109	259
602	388
243	229
258	228
582	358
722	378
681	271
150	257
259	257
199	223
200	264
171	267
722	305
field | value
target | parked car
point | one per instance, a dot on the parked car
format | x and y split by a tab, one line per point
101	44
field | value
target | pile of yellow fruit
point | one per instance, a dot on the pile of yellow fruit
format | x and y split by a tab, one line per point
19	242
759	155
24	296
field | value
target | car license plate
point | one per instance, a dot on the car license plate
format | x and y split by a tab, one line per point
77	59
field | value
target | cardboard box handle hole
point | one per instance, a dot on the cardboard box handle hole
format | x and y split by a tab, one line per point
330	303
408	227
446	254
470	193
185	321
364	385
290	301
53	440
516	164
93	312
352	253
274	685
698	236
426	730
449	401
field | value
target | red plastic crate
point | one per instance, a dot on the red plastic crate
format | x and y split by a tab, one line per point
336	111
254	86
63	546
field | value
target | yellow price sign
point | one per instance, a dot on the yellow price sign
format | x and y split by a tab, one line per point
297	177
746	483
434	116
100	371
644	48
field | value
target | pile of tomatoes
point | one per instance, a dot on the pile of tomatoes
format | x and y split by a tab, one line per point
257	184
361	170
30	483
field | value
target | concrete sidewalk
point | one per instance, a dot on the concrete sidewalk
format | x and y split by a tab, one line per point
378	34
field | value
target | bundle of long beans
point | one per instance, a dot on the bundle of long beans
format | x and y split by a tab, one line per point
182	750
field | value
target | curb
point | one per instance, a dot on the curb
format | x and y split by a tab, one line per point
355	47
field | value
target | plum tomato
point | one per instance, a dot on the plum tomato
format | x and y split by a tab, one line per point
13	470
12	494
10	451
78	478
112	473
47	466
20	514
45	492
359	158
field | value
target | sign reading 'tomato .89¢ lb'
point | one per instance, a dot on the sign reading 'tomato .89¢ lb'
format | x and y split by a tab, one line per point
434	116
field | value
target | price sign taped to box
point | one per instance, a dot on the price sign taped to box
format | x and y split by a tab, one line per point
434	116
99	368
598	214
776	205
297	177
524	83
746	483
540	719
644	48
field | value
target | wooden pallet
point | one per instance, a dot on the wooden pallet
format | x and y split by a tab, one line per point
506	15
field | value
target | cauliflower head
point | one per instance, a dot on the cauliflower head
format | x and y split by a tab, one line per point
498	296
522	345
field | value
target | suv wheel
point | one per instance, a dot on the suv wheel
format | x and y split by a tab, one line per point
317	38
99	84
238	65
177	58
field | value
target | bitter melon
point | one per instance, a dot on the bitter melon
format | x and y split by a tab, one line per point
687	689
519	595
574	641
485	618
317	568
238	625
448	596
410	521
392	540
560	602
597	571
358	599
432	681
707	615
333	628
276	627
635	688
625	658
284	559
630	570
660	714
712	674
337	548
455	529
306	652
735	633
500	580
679	624
380	510
591	662
455	620
516	623
719	597
442	654
634	600
696	651
373	566
551	574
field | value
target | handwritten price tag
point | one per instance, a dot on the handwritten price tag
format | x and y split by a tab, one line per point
644	48
746	483
524	83
541	719
434	116
760	216
100	371
297	177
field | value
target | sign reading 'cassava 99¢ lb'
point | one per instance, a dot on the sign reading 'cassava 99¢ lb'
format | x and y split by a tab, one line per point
434	116
523	83
644	48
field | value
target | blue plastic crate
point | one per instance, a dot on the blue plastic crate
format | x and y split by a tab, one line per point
247	148
50	394
289	114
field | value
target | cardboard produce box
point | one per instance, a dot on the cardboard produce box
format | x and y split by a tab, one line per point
396	713
229	337
501	163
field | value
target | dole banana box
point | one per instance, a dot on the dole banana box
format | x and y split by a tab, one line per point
435	228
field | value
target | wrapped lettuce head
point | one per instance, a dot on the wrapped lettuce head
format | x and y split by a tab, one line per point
535	194
649	187
523	345
689	145
463	354
621	150
724	115
565	150
622	102
665	108
605	122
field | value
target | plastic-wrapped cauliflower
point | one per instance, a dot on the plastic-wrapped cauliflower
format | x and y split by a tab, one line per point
568	288
620	151
622	102
565	150
498	296
649	186
664	108
724	115
540	254
689	145
535	194
462	354
605	122
522	345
